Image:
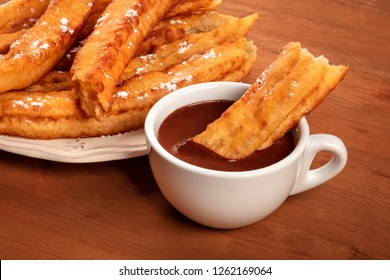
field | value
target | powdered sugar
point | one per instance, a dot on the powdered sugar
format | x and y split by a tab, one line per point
26	105
176	21
211	54
20	103
147	56
102	18
294	84
122	94
260	80
44	46
184	46
169	86
131	13
172	84
140	70
142	97
29	102
64	26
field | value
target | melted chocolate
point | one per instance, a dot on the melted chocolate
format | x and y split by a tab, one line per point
178	128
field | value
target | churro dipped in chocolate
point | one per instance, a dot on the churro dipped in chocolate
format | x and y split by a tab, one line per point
296	83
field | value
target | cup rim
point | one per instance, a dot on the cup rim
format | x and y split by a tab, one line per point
152	142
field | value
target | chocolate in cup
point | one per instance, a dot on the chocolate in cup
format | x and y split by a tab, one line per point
224	199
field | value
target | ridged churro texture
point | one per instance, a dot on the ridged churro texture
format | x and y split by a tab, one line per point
116	37
197	6
35	53
188	45
7	39
170	48
18	14
57	114
296	83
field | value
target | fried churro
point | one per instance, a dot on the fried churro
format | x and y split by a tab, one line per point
57	114
189	6
42	47
105	92
114	41
296	83
27	13
180	50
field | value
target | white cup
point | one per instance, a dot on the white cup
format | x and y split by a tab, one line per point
223	199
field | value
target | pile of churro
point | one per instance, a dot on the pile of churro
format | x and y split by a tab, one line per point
83	68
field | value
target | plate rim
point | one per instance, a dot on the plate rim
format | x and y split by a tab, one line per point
79	150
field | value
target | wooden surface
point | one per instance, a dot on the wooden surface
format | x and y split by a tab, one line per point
114	210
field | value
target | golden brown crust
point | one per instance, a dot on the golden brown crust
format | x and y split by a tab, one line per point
7	39
67	61
192	6
167	31
191	44
50	108
58	114
18	14
332	76
167	54
291	87
117	35
39	49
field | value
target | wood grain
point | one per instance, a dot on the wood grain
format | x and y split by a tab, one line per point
114	210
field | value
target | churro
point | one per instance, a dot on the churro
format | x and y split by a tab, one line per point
114	41
296	83
19	14
57	114
42	46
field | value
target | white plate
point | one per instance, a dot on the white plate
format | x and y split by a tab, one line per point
79	150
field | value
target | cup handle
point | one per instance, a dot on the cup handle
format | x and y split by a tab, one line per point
307	178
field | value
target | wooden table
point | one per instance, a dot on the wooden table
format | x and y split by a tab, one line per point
114	210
